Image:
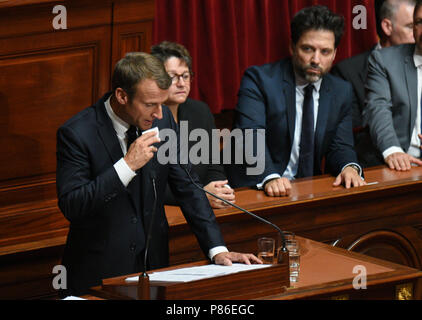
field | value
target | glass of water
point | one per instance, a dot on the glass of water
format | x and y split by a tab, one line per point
266	248
292	246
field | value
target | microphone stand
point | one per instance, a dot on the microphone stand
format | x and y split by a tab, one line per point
284	252
143	282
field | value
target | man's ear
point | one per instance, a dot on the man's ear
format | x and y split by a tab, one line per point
121	96
335	54
387	27
291	48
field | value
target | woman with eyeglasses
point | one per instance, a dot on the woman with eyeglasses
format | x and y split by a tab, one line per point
178	64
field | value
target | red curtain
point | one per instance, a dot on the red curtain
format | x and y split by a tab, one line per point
225	37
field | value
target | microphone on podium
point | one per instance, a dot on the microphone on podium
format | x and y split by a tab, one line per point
143	282
283	239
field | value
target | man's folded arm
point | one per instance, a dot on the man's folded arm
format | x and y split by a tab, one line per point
80	195
377	113
341	153
251	114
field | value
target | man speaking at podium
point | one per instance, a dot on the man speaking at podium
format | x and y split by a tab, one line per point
109	177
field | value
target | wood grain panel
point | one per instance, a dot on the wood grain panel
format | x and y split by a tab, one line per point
28	127
131	37
22	225
47	76
37	20
46	80
17	3
21	191
133	11
29	274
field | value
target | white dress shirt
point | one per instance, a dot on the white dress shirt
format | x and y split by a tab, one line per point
124	172
293	164
415	142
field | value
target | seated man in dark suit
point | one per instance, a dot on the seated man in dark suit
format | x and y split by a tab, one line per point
393	106
305	111
394	20
108	179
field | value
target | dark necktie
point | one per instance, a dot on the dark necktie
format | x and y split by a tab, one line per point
132	135
134	185
306	147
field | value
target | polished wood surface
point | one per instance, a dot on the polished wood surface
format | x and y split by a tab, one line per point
326	272
47	76
383	220
310	190
242	285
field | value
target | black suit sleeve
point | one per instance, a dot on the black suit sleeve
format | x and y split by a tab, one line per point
194	204
342	72
340	151
354	70
251	115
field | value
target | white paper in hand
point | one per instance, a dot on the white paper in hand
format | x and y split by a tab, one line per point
155	129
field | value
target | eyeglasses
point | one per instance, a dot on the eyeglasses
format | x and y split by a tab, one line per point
185	76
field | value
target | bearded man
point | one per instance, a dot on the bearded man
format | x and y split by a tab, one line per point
305	111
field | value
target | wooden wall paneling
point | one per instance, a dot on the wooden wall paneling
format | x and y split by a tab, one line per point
132	28
38	18
18	3
125	11
131	37
47	76
29	275
25	228
24	190
41	86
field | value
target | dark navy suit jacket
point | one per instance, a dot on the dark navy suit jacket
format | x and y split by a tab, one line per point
107	220
267	100
355	70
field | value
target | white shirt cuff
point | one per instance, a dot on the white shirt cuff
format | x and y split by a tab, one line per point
353	163
390	151
124	172
216	250
269	177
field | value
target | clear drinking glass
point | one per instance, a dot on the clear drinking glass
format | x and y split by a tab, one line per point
294	259
266	247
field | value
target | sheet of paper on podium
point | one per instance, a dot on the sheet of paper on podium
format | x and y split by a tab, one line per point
199	273
73	298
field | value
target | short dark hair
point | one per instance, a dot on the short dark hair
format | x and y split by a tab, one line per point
387	9
316	18
138	66
417	7
377	6
166	50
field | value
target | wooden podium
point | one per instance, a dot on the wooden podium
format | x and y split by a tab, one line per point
251	284
326	272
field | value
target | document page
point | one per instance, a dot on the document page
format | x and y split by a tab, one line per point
198	273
